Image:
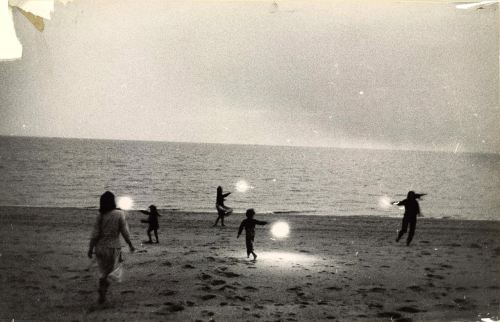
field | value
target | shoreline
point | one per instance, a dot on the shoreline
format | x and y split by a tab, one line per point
293	213
329	268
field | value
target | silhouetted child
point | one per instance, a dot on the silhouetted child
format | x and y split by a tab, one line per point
221	209
249	225
153	222
412	210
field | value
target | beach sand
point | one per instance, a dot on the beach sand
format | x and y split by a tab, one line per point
328	268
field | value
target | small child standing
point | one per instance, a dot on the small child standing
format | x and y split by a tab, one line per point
249	225
153	223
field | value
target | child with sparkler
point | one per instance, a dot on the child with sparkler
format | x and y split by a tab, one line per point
153	223
249	225
412	210
222	210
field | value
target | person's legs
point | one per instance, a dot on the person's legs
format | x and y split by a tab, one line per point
103	289
220	215
403	229
413	225
149	236
156	235
107	259
249	244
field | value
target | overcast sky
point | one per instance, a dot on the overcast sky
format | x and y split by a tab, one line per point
354	74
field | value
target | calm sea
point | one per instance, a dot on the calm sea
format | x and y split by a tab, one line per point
184	176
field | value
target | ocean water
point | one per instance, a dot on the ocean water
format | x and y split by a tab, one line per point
58	172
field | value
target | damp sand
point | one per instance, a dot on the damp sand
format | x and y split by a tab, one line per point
328	268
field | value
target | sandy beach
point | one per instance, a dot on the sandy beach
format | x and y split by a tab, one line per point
328	268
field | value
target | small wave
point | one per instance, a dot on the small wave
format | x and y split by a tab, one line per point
290	212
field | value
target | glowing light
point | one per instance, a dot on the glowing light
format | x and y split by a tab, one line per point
280	229
384	202
125	203
242	186
286	258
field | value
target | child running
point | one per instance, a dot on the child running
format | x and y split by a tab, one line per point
412	210
153	222
249	225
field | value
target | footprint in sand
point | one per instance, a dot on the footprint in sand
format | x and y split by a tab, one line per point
439	277
226	287
188	266
170	308
378	290
207	313
334	288
294	289
241	298
208	297
409	309
416	288
168	293
250	288
218	282
445	266
376	306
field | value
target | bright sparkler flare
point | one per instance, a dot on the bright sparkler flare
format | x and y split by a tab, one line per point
125	203
242	186
280	229
384	202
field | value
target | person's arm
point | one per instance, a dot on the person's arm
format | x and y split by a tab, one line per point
258	222
126	232
400	203
94	237
242	225
226	194
145	212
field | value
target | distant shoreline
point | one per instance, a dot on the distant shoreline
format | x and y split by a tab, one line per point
250	144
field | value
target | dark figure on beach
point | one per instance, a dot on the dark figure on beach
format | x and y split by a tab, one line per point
153	222
222	210
105	238
249	225
412	210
